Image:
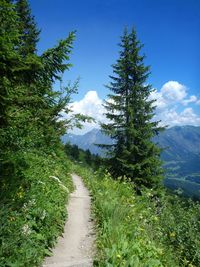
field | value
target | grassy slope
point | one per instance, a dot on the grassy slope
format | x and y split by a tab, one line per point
140	231
32	212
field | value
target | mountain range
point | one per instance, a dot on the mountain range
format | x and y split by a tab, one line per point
181	154
180	143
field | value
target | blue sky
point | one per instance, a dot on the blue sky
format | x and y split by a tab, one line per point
169	30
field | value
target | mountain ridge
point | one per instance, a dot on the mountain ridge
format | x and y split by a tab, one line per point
181	154
178	139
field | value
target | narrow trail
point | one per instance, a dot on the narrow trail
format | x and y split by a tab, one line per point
75	247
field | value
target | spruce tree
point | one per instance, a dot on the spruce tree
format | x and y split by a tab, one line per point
29	34
29	106
8	57
130	114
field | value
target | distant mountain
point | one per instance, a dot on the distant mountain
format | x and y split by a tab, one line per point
181	153
88	140
180	142
181	147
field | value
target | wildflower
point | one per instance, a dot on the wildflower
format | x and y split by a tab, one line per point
55	178
60	183
20	195
32	202
155	218
43	215
40	182
64	187
172	234
118	256
160	251
25	207
26	230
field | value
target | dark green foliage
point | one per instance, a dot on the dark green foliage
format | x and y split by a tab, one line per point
88	157
30	108
84	157
29	34
75	152
32	164
9	59
130	111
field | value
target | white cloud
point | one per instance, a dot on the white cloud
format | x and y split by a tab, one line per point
172	117
90	105
191	99
173	91
172	97
170	106
160	102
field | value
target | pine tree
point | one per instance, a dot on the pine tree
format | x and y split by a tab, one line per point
29	34
9	58
130	112
75	153
29	106
88	157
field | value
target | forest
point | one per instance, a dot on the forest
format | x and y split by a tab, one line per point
138	221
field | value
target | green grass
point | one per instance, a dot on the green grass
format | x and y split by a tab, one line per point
32	211
152	230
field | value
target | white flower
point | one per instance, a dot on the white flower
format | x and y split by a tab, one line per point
32	202
44	213
60	183
26	230
25	207
40	182
55	178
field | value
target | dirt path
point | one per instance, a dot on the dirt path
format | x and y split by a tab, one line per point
75	248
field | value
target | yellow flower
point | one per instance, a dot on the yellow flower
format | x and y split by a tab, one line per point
172	234
155	218
160	251
20	194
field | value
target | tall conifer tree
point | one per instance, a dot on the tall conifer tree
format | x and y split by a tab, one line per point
130	112
29	34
